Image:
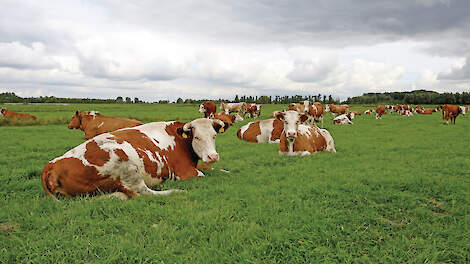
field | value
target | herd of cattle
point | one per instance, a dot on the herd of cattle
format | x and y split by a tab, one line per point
124	157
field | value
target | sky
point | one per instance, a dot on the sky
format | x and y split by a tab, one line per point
162	50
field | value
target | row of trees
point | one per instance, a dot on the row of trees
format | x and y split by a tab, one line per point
264	99
413	97
13	98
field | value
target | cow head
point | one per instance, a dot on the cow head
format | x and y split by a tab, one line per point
327	108
202	133
76	122
292	120
462	110
202	109
3	111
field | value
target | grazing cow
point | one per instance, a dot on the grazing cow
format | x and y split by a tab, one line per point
300	139
380	111
229	120
94	123
131	159
343	119
450	112
335	109
239	108
368	111
254	110
13	115
208	108
261	131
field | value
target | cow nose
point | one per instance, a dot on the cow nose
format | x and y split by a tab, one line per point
213	157
291	134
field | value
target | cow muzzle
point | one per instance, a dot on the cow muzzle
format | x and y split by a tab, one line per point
212	158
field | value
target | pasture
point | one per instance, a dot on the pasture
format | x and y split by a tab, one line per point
397	190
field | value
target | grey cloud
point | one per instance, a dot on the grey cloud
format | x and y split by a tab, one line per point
457	73
312	71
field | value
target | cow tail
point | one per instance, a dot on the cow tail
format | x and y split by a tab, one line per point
49	180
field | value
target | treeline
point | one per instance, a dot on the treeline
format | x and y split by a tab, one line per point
264	99
413	97
13	98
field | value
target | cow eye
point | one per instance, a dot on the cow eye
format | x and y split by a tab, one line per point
213	136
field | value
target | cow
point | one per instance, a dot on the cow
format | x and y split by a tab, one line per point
343	119
94	123
254	110
450	112
229	120
337	109
368	111
314	111
239	108
13	115
463	110
299	107
208	108
130	160
406	113
380	110
427	111
261	131
300	139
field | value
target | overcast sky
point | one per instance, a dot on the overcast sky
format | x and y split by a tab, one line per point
158	50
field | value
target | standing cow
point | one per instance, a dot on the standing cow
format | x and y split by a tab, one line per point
129	160
13	115
337	109
300	139
380	111
94	123
450	112
239	108
208	108
254	110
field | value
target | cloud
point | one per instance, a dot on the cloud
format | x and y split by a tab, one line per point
17	55
460	71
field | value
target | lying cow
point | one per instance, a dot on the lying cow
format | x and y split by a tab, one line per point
380	111
343	119
239	108
300	139
368	111
229	120
450	112
356	113
129	160
254	110
423	111
208	108
261	131
13	115
94	123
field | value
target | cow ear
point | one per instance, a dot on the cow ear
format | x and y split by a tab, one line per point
233	117
219	126
280	116
184	134
303	118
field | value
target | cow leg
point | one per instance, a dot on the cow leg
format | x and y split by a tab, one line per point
139	187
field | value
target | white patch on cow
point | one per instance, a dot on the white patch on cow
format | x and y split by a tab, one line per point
93	113
238	118
100	124
266	127
305	130
156	130
200	173
202	109
342	119
330	143
463	109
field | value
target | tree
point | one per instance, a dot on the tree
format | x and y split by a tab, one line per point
119	100
136	100
237	100
179	101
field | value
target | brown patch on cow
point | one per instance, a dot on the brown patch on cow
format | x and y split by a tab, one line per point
14	115
210	108
95	155
121	154
252	132
278	127
227	119
204	166
70	177
96	124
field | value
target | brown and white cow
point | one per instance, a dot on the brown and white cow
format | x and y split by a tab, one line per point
344	119
208	108
427	111
239	108
380	110
229	120
129	160
450	112
13	115
337	109
368	111
254	110
356	113
261	131
300	139
94	123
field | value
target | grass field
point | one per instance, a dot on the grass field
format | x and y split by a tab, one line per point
396	191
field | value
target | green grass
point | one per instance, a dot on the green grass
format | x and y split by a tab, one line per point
398	190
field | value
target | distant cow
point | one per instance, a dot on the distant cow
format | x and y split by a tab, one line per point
300	139
261	131
254	110
314	111
13	115
239	108
208	108
356	113
129	160
343	120
423	111
337	109
94	123
450	112
379	111
368	111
